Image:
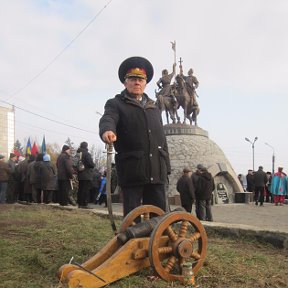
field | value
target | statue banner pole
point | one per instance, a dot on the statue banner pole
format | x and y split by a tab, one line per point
174	49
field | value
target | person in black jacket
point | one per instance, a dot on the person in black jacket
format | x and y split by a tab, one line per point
203	191
260	180
250	181
186	189
35	178
133	123
65	175
85	177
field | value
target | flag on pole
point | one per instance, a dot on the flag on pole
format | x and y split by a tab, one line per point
34	150
43	146
28	147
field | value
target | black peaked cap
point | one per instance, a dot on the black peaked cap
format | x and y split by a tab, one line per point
135	62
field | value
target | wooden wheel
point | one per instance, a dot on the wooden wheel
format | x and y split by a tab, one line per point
144	211
178	238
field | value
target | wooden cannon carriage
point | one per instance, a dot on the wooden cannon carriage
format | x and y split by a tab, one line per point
163	241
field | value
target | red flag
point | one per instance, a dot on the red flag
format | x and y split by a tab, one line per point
34	150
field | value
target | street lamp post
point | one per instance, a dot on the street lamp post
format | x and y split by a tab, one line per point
253	144
273	157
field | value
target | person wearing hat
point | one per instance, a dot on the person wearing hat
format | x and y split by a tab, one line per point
279	187
85	177
133	123
260	180
48	179
5	170
186	189
65	175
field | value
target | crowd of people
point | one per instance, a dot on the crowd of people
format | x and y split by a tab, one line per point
36	179
267	187
197	188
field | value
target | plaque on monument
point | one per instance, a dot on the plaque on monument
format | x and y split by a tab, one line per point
221	194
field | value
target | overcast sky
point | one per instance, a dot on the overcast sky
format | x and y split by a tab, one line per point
238	50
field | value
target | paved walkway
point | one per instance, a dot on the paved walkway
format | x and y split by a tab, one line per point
268	218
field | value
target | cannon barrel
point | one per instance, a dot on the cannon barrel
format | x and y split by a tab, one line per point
143	229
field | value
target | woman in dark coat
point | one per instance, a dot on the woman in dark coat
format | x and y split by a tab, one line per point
48	179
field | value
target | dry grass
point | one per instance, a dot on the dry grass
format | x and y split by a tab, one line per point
36	240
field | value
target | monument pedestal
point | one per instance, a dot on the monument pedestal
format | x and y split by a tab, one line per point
189	146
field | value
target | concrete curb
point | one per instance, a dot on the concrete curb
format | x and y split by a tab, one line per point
275	238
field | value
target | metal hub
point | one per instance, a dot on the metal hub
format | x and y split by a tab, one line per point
185	248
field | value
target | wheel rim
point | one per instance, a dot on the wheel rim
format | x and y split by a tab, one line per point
178	238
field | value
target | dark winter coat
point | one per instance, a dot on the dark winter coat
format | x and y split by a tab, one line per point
5	170
35	173
12	175
186	188
205	186
142	153
250	183
48	176
87	173
22	169
64	167
260	178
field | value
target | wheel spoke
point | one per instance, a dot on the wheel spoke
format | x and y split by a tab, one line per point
183	228
195	255
171	234
170	264
195	236
165	250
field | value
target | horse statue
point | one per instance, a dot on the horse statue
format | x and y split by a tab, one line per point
170	105
185	100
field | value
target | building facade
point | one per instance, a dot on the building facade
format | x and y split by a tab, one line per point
7	130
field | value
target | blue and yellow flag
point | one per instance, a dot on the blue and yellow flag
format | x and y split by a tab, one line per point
28	147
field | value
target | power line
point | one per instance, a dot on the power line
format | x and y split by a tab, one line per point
60	53
48	130
49	119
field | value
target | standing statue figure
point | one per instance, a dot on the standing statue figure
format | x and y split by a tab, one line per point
184	90
164	82
166	99
191	84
